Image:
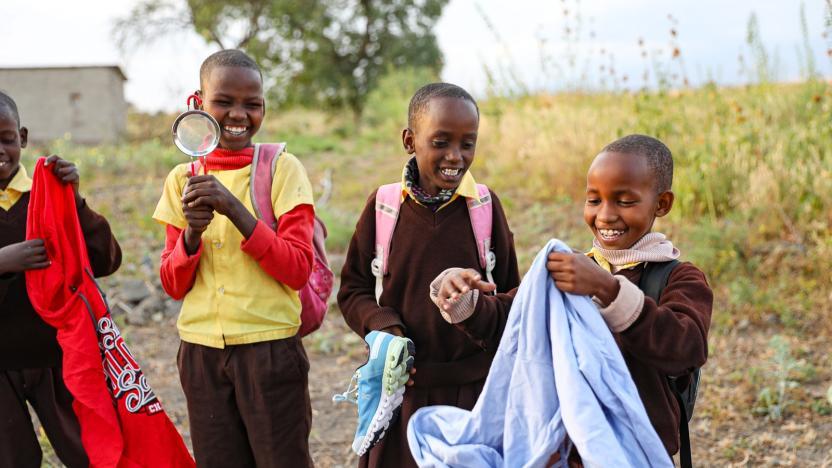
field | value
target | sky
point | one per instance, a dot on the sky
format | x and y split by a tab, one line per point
521	42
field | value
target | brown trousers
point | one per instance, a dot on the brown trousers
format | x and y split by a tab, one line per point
248	405
44	389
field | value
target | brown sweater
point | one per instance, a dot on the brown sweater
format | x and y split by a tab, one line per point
670	338
452	361
28	342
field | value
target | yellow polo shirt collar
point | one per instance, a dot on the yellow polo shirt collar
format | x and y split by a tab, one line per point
20	184
603	263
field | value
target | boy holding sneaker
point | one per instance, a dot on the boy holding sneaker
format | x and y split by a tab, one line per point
432	230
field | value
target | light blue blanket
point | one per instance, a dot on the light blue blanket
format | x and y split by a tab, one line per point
557	371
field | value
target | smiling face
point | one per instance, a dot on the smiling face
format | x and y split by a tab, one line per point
443	140
621	199
234	97
12	139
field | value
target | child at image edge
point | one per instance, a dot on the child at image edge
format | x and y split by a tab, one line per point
433	233
628	187
31	369
241	362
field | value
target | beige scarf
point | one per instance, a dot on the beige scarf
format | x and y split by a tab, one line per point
653	247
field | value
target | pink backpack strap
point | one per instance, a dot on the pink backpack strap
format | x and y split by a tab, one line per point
480	210
388	202
262	175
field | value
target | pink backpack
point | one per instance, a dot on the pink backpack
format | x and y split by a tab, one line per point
388	202
313	296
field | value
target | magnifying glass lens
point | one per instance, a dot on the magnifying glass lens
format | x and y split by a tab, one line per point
196	133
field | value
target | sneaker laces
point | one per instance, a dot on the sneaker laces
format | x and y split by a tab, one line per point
351	395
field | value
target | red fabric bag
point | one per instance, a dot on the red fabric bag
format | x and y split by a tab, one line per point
122	422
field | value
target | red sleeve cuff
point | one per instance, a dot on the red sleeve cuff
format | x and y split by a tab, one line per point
180	255
178	269
258	242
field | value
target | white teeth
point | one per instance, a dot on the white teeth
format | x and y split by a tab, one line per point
235	130
450	172
610	233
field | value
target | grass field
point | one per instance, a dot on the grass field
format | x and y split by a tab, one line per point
753	184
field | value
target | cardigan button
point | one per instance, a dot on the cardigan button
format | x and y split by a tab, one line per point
73	288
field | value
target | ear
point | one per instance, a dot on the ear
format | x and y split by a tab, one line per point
24	136
664	203
408	141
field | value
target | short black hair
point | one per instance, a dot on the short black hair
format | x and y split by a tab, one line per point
419	101
7	104
658	155
227	58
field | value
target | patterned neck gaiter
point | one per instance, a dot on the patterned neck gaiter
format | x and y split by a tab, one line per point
411	184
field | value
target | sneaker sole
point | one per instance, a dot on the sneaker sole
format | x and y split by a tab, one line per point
389	407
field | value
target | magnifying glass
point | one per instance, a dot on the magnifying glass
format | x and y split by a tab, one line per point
196	134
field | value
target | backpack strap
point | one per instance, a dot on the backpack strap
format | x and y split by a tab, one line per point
654	278
388	202
263	166
652	283
480	210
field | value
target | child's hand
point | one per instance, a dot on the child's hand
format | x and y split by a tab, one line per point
576	273
398	331
207	191
198	217
458	282
26	255
67	173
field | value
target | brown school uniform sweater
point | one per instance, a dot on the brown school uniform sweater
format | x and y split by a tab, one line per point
28	342
452	361
670	338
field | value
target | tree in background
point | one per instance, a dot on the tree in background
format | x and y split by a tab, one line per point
313	52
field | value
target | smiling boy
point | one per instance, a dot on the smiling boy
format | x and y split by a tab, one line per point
241	362
628	187
31	360
432	234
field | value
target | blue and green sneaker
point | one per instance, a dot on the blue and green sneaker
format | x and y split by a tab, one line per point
378	387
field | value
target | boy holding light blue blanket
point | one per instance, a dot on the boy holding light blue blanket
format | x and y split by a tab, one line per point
628	187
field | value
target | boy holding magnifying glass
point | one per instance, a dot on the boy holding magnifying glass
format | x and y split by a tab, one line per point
241	362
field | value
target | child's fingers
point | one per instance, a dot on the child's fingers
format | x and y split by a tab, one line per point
36	250
204	209
51	159
38	265
32	243
562	276
199	213
559	256
200	178
33	259
203	200
67	173
458	286
203	191
485	286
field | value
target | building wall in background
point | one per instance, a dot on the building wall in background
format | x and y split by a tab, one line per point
85	102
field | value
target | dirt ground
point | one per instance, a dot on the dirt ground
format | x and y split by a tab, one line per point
726	431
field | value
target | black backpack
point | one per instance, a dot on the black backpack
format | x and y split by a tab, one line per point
684	387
